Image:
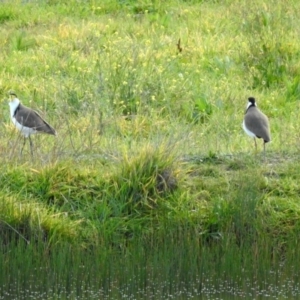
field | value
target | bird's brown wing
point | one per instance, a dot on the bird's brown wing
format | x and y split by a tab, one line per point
30	118
258	123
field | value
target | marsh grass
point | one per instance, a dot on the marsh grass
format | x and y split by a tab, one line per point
142	271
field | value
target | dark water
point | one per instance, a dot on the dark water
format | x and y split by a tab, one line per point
173	270
136	284
209	288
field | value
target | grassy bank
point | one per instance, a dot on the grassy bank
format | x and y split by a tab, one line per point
136	195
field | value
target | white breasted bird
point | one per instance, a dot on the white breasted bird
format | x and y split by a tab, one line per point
26	120
256	123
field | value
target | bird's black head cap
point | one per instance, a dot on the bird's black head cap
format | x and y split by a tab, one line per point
252	100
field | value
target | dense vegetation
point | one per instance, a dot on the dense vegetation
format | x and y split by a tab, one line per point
148	99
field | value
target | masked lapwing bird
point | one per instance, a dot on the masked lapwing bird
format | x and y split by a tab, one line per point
27	121
256	123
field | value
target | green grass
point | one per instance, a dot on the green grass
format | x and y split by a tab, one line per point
133	196
150	143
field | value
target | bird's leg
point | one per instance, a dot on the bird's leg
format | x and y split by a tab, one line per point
31	146
264	150
255	144
23	146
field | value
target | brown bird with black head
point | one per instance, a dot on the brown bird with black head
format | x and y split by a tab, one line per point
27	120
256	123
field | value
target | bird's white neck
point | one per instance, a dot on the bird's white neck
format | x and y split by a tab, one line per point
13	104
249	104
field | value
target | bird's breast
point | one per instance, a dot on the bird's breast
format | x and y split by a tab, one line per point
250	133
26	131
